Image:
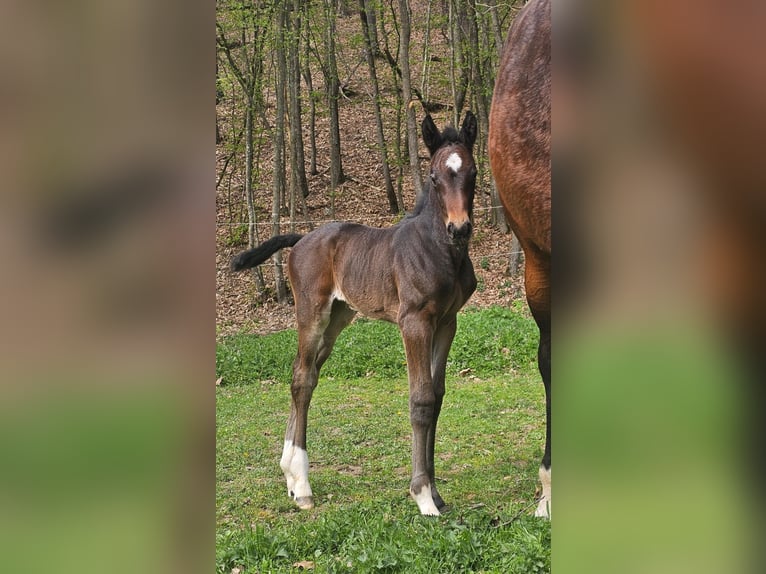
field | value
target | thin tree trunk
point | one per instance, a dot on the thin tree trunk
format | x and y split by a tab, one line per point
312	101
424	76
497	33
252	236
404	64
460	67
399	154
366	27
515	258
483	52
298	181
399	158
279	143
332	83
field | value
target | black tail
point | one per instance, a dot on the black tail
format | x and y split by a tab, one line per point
256	256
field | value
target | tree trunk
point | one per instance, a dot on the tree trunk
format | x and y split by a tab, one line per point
404	64
485	58
424	76
459	65
312	101
366	29
399	156
497	32
516	255
332	83
252	236
298	182
279	144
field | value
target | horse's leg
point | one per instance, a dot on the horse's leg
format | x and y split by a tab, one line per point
544	362
316	341
417	333
537	280
295	460
441	345
341	315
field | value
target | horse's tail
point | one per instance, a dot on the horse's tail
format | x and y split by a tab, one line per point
256	256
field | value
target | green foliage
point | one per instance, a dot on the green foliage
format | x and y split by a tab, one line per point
243	359
488	342
372	538
494	341
490	439
237	235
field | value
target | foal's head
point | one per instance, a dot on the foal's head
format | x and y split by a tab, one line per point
453	173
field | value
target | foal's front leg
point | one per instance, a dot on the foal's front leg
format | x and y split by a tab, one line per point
417	333
442	342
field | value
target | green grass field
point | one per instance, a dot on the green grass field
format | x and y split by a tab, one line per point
489	442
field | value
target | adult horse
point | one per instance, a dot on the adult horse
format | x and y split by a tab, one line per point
520	158
416	274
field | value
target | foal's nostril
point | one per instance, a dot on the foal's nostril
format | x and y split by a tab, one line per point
462	232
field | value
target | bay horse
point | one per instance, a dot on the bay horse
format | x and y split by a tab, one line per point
416	274
520	159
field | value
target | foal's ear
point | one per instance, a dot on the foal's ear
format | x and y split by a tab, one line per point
468	131
431	135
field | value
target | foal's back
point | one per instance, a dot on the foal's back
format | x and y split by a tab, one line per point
375	270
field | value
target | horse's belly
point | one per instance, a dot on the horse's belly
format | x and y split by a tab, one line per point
373	302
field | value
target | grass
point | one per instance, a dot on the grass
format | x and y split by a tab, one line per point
489	442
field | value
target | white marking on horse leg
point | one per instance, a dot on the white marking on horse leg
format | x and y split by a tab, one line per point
284	463
425	501
544	506
295	466
299	467
454	162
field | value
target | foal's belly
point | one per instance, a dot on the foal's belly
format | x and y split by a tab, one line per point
374	301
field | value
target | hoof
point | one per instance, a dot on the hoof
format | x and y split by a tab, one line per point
425	502
439	501
543	508
305	502
544	505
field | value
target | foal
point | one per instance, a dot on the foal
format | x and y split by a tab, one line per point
416	274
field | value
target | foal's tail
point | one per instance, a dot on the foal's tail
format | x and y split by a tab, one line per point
256	256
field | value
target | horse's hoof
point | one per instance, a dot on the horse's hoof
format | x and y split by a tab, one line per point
425	502
305	502
543	508
439	502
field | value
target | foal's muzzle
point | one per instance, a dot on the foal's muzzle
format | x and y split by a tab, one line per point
459	234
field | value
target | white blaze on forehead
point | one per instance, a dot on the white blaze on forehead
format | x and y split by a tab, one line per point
454	162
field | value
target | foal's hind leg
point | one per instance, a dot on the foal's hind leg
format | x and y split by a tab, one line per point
316	338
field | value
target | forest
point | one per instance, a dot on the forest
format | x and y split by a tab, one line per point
318	112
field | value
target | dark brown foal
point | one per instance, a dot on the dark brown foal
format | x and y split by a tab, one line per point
520	157
416	274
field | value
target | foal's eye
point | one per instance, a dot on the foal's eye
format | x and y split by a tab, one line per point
433	177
